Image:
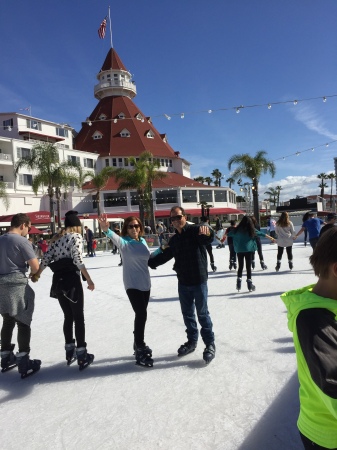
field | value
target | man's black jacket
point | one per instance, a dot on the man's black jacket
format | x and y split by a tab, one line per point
188	250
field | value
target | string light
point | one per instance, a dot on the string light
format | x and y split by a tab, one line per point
167	117
237	110
182	115
269	106
295	102
209	111
324	99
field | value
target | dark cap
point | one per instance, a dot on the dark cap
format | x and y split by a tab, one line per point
71	219
332	216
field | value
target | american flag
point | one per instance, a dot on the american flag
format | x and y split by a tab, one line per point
101	29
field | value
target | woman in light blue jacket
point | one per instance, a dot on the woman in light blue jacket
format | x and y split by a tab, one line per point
135	255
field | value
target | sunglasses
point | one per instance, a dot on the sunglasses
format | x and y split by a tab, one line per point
177	217
136	225
29	228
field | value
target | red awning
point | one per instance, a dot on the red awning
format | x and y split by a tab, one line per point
36	217
34	230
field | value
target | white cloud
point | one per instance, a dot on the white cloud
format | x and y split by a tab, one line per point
309	117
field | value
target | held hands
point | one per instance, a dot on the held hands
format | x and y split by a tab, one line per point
91	285
204	230
103	221
34	277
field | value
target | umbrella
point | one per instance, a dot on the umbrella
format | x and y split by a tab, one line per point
34	230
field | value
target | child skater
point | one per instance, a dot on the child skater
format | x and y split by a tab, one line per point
244	240
312	312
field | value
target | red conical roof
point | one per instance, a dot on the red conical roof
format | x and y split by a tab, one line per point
113	61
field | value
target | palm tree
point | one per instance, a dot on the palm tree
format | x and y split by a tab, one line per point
231	181
141	177
3	195
322	176
43	162
200	179
278	189
63	178
217	176
331	177
208	180
272	192
252	167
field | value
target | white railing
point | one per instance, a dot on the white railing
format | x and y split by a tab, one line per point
116	84
9	184
5	157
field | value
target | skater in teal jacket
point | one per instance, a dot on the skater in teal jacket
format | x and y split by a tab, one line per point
312	314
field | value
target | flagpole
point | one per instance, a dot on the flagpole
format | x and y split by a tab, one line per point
110	29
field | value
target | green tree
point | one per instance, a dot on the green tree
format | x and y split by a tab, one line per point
44	162
331	177
208	180
217	175
273	193
200	179
278	189
230	181
140	177
252	167
322	185
3	195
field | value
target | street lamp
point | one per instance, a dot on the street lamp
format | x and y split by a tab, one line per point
245	187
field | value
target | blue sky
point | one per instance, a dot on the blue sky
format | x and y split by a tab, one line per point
189	56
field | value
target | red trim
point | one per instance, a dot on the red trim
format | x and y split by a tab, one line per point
36	217
34	133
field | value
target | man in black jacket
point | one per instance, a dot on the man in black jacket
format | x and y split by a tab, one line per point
187	247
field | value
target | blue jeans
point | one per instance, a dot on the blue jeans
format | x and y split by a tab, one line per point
191	298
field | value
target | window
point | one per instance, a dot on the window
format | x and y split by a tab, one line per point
125	133
189	196
62	132
162	163
34	124
139	117
97	135
107	163
134	198
120	162
205	196
115	199
74	159
170	162
121	115
25	179
23	152
7	124
126	162
88	163
166	162
220	196
150	134
102	117
114	162
166	196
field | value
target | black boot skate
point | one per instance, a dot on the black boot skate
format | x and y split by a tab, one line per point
187	348
84	359
231	265
143	355
278	266
263	266
209	353
250	286
26	366
234	265
213	267
238	284
8	359
291	265
253	264
70	352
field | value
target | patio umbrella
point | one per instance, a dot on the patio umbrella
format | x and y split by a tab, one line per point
34	230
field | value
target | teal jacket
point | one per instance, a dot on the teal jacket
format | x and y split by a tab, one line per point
312	320
243	242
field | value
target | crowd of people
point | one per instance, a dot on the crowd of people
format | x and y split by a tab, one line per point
312	310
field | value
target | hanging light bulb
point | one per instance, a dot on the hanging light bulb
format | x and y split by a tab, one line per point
142	120
283	158
210	111
324	99
9	128
89	123
269	106
115	121
182	115
295	102
237	110
327	145
312	149
298	153
167	117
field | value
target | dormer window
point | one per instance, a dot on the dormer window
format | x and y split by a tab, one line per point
121	115
139	117
150	134
125	133
102	117
97	135
164	138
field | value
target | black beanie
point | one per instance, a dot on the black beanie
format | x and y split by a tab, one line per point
71	219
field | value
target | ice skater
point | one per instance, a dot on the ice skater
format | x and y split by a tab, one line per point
285	239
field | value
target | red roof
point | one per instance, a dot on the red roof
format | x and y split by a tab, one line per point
34	133
36	217
113	61
172	179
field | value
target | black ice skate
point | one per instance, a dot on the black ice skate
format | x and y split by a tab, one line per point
84	359
187	348
213	267
231	265
291	265
238	284
26	366
263	266
8	359
209	353
253	265
143	355
278	266
250	286
70	353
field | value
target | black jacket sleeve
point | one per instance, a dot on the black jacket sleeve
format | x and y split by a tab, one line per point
161	258
317	334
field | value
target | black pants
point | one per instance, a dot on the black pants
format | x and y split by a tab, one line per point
89	248
210	252
246	256
309	445
74	313
232	254
289	251
313	242
259	250
139	301
7	333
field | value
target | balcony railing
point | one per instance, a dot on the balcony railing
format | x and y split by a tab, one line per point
5	157
9	184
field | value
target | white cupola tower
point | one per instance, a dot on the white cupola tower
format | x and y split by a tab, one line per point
114	79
